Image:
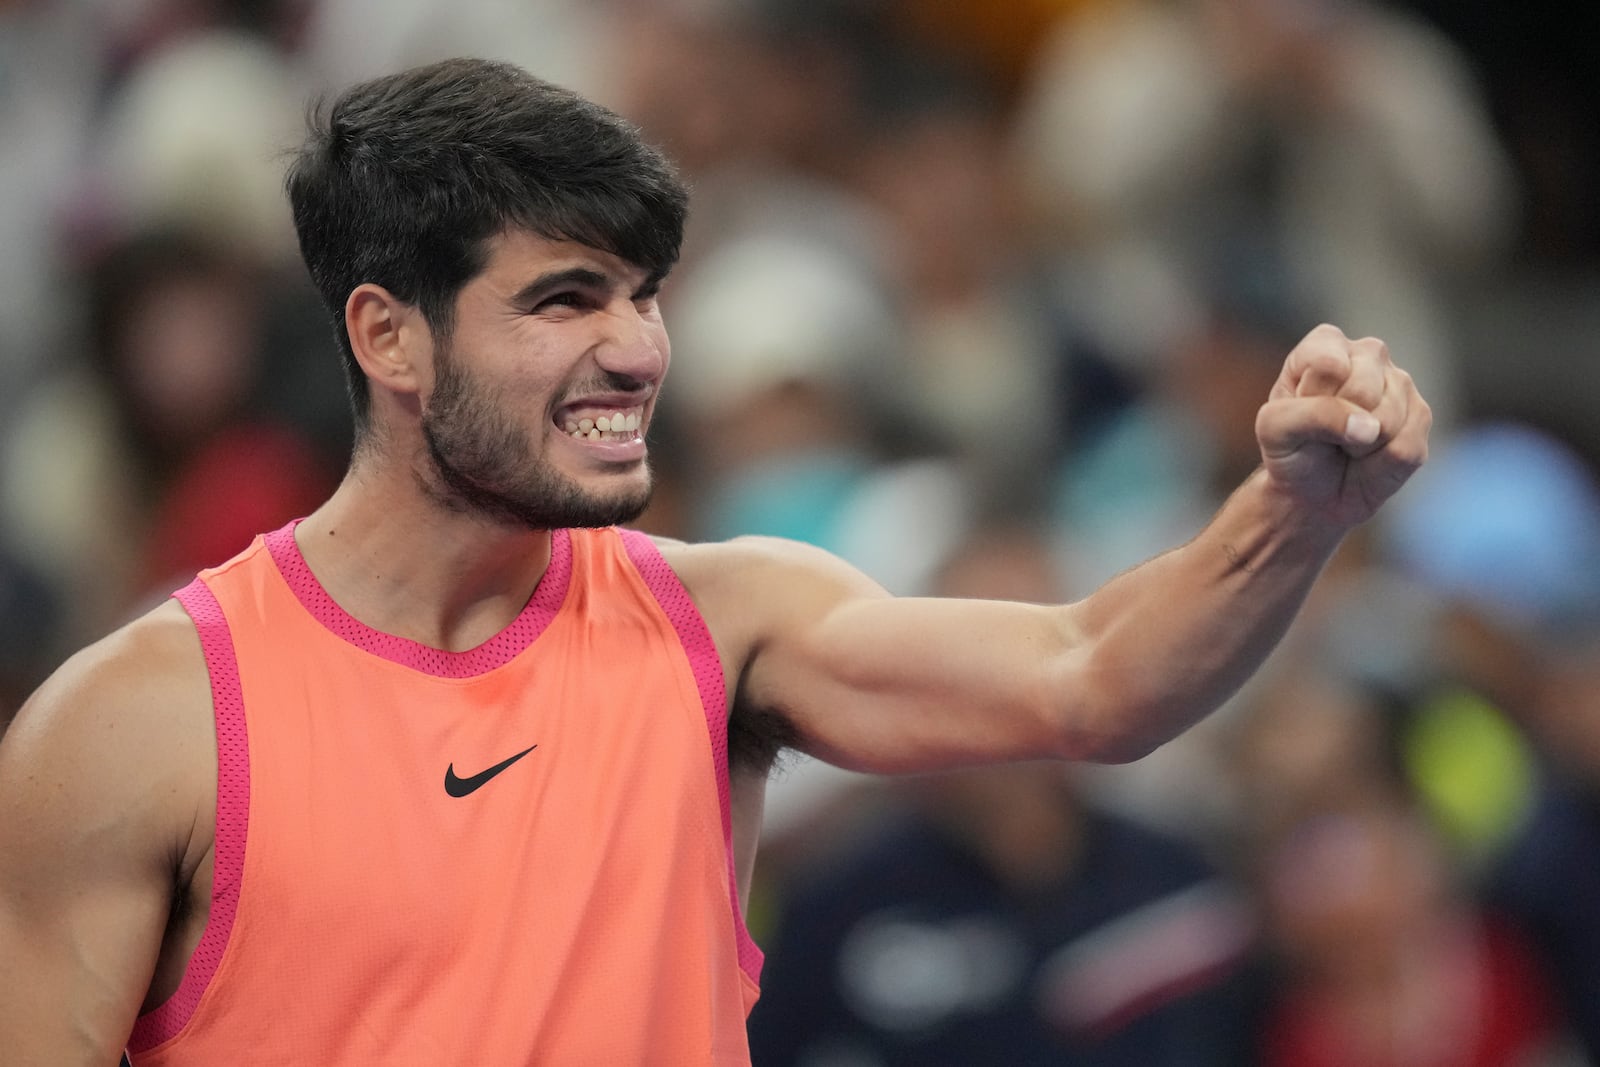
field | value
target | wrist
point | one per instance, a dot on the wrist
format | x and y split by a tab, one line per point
1268	521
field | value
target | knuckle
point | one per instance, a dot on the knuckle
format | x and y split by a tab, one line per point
1377	345
1328	362
1409	452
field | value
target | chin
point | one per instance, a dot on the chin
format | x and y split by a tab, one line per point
591	508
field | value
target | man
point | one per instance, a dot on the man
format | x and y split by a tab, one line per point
222	829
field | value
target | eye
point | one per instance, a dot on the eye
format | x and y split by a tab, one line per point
570	298
646	297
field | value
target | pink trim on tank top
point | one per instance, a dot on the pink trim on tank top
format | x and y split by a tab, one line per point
497	651
233	816
695	637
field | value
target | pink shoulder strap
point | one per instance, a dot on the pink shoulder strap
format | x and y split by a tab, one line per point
233	815
695	638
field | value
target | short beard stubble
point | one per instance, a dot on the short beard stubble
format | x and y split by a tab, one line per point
485	465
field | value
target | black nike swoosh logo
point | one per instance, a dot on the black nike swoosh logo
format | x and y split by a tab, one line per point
460	787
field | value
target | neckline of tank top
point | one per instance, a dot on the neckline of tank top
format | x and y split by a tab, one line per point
498	650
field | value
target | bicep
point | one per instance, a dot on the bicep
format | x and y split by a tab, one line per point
88	850
78	959
878	683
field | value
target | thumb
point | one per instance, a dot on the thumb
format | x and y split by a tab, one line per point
1287	424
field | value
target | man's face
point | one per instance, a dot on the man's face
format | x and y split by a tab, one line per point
542	394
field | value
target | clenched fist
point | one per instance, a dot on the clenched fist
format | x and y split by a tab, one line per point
1343	427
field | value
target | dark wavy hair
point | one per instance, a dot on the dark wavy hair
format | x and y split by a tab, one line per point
404	179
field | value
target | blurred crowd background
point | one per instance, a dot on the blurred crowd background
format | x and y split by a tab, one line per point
981	295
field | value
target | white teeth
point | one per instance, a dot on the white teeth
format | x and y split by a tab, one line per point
617	426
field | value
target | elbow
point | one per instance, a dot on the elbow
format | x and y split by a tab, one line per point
1105	723
1121	747
1111	743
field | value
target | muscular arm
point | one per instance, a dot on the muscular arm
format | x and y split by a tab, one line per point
97	815
878	683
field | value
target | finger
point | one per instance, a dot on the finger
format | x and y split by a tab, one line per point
1367	383
1387	471
1407	438
1319	364
1286	425
1392	408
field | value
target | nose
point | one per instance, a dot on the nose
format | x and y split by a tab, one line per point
634	343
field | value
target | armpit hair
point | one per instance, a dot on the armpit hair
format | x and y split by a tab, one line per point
757	737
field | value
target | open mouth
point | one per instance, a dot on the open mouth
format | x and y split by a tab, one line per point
619	425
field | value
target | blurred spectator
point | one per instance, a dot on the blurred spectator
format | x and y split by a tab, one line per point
760	106
1505	527
776	340
1001	919
1157	468
1308	742
1385	962
121	481
48	86
569	42
193	137
1504	530
1549	875
1505	522
982	370
1343	143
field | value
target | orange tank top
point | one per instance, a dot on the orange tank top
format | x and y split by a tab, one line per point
517	854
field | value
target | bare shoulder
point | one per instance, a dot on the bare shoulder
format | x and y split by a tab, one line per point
149	676
121	734
107	780
762	583
757	595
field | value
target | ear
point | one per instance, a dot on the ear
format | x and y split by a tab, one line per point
390	339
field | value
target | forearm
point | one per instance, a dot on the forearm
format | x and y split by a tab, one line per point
877	683
1165	643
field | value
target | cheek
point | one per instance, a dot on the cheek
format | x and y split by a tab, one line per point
513	369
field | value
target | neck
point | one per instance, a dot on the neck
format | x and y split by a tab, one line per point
410	567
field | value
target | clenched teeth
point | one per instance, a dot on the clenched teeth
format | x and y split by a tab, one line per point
618	426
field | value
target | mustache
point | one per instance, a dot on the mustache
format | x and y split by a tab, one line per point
612	382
